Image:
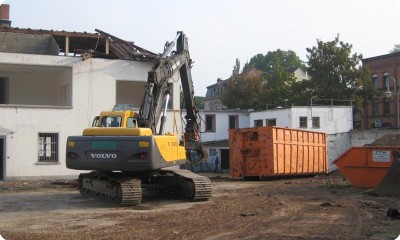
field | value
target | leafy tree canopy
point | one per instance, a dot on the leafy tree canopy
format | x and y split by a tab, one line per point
336	72
267	62
395	49
264	80
198	101
243	92
278	88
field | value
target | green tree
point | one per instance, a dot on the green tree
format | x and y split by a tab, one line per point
236	68
301	92
285	59
278	89
198	101
256	62
243	92
271	87
365	89
336	72
395	49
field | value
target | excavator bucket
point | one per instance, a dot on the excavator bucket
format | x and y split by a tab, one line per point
390	184
372	167
197	157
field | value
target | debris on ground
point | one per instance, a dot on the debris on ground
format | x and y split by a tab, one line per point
393	213
309	208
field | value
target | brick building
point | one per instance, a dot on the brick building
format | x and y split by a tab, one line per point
383	110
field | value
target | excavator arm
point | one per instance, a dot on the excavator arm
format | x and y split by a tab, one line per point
156	97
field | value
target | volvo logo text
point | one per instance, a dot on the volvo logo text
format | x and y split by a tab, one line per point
103	155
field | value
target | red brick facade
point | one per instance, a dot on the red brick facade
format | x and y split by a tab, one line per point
381	111
4	12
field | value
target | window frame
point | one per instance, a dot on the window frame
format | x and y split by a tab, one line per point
375	108
385	80
235	119
43	145
268	120
374	79
303	119
257	123
316	122
386	107
107	121
213	121
131	120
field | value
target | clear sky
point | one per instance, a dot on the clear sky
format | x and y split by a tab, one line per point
220	31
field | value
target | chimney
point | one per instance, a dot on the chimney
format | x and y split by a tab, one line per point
5	15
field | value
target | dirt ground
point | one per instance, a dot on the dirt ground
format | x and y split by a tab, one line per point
320	207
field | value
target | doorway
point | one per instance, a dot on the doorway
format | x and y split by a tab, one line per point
4	83
2	157
224	159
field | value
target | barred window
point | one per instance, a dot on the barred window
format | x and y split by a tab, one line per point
48	147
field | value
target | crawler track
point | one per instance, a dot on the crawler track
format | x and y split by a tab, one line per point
120	189
111	187
195	187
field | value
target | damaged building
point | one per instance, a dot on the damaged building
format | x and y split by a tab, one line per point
52	84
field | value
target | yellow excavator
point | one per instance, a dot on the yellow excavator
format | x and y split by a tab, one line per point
128	152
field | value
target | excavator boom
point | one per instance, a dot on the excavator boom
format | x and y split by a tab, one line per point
157	93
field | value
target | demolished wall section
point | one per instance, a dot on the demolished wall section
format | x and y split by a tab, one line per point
43	44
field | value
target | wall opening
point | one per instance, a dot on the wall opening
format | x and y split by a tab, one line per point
2	157
224	159
35	85
4	90
130	92
233	121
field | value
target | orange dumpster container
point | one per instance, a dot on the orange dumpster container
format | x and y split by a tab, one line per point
273	151
366	167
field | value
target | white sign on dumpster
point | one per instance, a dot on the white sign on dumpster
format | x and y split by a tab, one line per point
381	156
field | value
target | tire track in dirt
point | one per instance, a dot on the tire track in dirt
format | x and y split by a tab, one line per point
261	223
286	209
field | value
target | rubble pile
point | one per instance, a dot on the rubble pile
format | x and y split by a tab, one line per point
392	140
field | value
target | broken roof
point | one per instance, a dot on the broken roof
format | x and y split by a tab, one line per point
99	44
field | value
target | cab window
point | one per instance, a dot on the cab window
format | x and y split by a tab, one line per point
111	121
95	122
131	122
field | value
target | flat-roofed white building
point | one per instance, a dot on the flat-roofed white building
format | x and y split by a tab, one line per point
335	121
